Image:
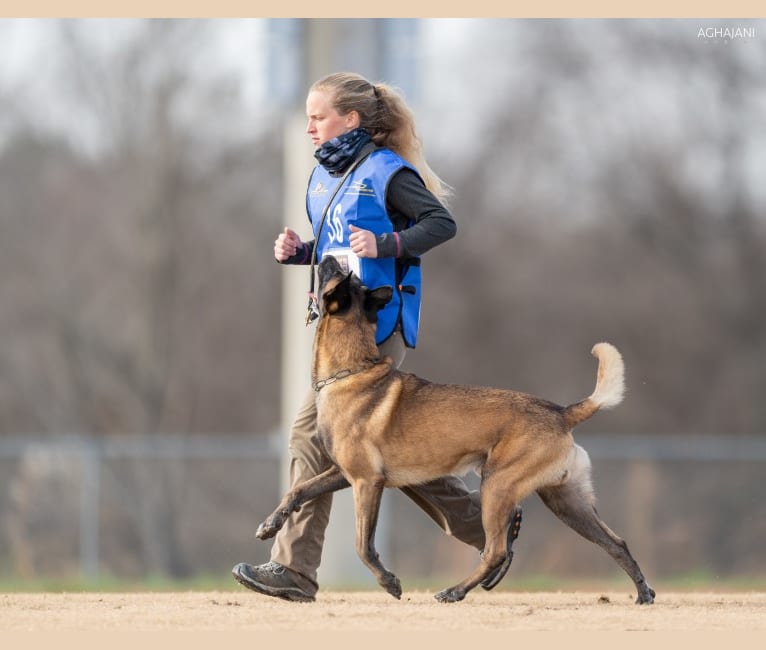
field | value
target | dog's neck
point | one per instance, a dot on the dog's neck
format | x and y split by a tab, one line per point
336	351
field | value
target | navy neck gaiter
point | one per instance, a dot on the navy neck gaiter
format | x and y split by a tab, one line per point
337	153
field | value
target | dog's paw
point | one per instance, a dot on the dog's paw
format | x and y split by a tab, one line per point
645	595
392	585
270	527
263	532
451	595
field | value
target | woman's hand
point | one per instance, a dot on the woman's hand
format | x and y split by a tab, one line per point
286	245
363	242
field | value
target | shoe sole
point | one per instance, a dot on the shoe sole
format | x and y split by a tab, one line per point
285	593
491	581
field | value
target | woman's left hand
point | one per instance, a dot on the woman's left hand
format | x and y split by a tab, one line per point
363	242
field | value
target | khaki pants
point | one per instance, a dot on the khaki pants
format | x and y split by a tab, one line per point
298	545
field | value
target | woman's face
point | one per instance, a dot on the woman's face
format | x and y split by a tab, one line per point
324	122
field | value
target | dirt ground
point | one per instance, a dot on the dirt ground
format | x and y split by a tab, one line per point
376	611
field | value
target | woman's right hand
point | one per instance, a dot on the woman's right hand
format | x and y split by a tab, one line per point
286	245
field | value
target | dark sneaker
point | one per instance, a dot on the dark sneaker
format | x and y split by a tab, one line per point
271	579
492	580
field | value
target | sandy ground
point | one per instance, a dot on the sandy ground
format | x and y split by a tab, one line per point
376	611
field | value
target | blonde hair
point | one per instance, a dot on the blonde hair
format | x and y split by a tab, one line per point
384	114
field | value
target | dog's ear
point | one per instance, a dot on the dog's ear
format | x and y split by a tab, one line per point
338	298
375	300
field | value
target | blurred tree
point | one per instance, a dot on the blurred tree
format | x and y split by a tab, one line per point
609	186
608	192
139	290
145	264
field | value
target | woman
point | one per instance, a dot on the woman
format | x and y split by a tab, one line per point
387	213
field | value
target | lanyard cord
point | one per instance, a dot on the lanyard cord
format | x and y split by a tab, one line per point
313	313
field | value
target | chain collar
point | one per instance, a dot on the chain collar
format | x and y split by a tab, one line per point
342	374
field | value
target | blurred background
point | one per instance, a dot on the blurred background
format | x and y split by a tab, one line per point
610	184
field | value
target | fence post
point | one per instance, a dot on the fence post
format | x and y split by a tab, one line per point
90	500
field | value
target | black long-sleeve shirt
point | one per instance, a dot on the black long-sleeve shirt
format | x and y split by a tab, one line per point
407	200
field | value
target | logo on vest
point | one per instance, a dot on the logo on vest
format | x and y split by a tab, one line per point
360	188
319	189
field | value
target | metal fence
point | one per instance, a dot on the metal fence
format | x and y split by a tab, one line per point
36	470
187	505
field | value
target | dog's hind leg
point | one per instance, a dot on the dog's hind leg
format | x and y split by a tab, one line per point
499	498
331	480
367	497
574	503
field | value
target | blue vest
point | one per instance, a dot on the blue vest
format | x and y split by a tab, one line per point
362	202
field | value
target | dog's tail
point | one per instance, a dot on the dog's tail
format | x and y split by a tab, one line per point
610	385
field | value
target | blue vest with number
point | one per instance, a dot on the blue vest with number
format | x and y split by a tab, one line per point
362	202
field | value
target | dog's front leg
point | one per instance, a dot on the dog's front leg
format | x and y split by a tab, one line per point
367	497
329	481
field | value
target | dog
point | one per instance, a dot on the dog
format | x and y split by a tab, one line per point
386	428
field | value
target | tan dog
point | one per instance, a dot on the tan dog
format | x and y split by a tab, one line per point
385	428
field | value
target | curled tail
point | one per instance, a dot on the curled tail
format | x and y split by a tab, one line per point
610	385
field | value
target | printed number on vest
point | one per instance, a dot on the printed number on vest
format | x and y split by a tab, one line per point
336	225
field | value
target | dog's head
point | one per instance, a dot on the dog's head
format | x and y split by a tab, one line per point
340	291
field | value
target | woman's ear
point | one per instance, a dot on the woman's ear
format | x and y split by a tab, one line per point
352	120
